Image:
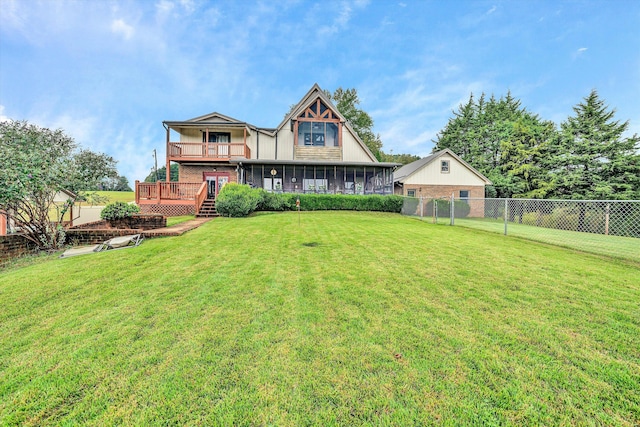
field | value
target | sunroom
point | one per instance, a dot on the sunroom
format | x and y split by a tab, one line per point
317	177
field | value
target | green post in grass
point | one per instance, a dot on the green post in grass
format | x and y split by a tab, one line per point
506	218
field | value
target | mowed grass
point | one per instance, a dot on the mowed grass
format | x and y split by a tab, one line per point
343	318
116	196
612	246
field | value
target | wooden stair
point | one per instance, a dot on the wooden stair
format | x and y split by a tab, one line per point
208	209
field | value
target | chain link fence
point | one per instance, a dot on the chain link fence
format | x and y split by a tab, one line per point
606	227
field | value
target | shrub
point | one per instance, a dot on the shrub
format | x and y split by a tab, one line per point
275	201
237	200
317	202
118	210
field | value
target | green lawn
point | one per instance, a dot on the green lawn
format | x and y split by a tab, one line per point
174	220
342	319
613	246
117	196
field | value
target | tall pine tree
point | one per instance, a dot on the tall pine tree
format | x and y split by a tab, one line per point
592	158
478	133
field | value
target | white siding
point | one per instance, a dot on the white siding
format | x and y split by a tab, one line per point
190	135
265	149
285	144
458	174
352	151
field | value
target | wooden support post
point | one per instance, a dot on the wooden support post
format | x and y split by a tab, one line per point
3	224
168	161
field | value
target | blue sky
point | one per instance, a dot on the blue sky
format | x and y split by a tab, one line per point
109	72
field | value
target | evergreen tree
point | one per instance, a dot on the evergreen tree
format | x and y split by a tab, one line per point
478	133
525	157
162	173
592	158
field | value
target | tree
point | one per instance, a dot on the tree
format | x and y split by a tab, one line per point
398	158
480	131
525	157
593	159
347	101
162	173
38	163
93	171
119	183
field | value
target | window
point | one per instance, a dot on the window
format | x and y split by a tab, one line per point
318	126
224	137
464	195
444	166
411	193
319	134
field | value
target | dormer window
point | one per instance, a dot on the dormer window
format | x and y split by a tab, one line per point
318	126
444	166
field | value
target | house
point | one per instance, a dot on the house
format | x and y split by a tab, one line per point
313	150
441	175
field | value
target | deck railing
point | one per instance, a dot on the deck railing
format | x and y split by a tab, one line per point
157	191
208	150
201	196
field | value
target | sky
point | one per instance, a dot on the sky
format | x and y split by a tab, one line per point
109	72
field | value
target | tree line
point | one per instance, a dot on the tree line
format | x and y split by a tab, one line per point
586	157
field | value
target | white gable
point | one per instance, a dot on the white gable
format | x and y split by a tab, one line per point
431	174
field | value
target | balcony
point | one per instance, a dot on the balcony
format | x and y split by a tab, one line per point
212	151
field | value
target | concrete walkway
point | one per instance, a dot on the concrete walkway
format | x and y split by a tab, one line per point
176	230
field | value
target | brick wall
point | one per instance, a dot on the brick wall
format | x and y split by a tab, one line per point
142	222
444	191
93	237
136	222
14	245
190	173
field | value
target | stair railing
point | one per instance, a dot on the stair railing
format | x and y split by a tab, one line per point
201	196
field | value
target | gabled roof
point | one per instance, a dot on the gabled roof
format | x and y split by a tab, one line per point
312	95
212	119
215	117
407	170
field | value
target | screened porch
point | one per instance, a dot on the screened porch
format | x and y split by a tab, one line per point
319	178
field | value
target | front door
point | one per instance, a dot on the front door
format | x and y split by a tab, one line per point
215	182
211	187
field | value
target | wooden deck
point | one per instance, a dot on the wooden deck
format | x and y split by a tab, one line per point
210	151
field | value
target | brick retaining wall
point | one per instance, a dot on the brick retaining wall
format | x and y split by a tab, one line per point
93	237
136	222
14	245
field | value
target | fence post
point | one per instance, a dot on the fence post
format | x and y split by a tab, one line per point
435	211
451	211
506	218
421	209
606	219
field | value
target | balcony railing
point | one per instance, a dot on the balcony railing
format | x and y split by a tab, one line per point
207	150
155	192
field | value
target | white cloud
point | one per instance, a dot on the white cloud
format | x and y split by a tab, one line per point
490	11
342	17
582	49
118	26
188	5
